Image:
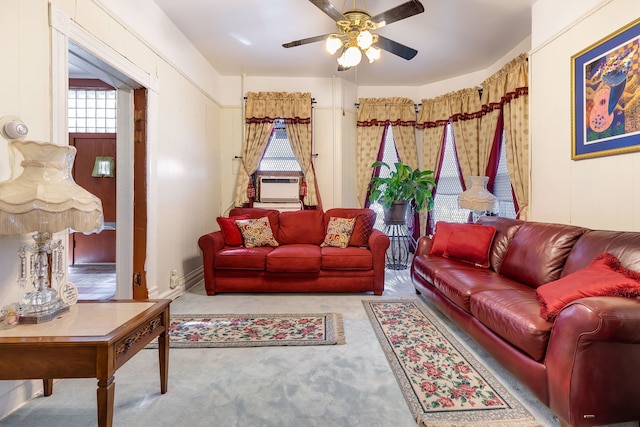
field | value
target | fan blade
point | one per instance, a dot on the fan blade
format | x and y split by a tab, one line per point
397	13
329	9
341	68
396	48
305	41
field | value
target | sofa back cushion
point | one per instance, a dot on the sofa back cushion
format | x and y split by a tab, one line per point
365	219
624	245
255	213
538	251
304	227
505	230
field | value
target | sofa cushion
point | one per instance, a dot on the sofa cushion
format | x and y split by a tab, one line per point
338	232
461	280
365	220
470	243
230	230
514	315
304	227
272	214
256	232
624	245
505	230
349	258
538	252
605	276
242	258
294	258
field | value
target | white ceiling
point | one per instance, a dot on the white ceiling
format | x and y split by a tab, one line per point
453	37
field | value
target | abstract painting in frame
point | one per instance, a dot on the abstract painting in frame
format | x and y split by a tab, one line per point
606	95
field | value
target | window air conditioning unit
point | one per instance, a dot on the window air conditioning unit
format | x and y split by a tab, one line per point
279	188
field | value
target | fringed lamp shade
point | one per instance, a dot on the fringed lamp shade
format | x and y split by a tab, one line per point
477	198
44	197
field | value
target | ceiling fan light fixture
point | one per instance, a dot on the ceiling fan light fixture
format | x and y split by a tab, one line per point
373	53
333	44
364	39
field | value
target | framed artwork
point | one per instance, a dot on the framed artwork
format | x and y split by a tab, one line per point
605	90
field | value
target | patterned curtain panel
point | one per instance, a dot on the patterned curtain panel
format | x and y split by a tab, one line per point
373	116
261	110
508	90
465	106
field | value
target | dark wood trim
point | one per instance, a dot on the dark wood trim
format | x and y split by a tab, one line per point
140	290
89	84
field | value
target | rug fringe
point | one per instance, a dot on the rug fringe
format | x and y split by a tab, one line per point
423	421
339	329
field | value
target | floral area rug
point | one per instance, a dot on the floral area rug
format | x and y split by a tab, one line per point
254	330
443	384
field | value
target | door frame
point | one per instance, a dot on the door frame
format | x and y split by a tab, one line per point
71	42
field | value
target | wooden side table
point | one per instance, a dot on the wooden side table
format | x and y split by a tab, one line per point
92	340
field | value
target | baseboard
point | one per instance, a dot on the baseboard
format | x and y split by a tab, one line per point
189	280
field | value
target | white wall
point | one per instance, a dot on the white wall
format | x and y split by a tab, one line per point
597	193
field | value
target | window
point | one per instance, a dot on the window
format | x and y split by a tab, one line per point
390	157
448	186
278	156
502	185
445	206
92	110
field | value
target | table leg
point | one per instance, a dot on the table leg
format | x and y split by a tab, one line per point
48	386
106	392
163	353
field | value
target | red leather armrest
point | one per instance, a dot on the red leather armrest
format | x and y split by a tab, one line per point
424	245
592	361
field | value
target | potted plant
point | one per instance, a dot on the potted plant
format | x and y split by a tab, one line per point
403	188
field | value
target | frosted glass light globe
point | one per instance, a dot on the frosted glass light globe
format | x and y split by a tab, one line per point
333	44
364	39
352	57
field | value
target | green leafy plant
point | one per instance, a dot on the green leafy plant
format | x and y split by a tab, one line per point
405	183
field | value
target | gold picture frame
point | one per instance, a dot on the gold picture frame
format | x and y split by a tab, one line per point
605	95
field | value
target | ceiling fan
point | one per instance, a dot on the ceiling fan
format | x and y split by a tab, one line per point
354	33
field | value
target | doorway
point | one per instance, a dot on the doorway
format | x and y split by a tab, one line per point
130	279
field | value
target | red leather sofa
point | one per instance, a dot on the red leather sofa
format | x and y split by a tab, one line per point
584	364
298	263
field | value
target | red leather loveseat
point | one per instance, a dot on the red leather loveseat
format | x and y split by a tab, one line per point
298	263
581	358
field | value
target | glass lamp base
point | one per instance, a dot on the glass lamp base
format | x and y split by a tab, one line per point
30	314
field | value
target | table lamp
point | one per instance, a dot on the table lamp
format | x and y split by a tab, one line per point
44	199
478	199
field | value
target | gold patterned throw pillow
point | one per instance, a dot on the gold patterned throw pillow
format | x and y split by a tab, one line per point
339	232
256	232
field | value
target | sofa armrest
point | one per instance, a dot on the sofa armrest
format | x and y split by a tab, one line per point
424	245
378	244
592	361
210	244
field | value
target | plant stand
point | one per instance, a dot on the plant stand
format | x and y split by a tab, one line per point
398	256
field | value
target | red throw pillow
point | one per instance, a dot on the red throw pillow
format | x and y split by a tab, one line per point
230	230
605	276
440	238
471	243
362	229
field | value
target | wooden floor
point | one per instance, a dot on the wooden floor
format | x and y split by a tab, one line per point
94	281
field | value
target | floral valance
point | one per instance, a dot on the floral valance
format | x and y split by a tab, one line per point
265	107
